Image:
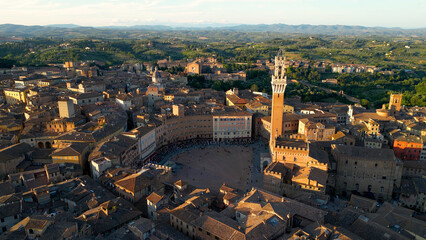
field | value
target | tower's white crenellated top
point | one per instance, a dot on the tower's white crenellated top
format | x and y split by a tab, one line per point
279	79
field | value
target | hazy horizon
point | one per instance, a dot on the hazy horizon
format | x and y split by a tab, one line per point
197	25
407	14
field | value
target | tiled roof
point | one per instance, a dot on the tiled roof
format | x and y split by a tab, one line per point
312	173
154	198
14	151
10	206
119	212
87	95
134	183
365	153
219	226
72	150
362	202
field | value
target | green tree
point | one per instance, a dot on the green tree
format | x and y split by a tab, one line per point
421	88
254	87
6	63
364	102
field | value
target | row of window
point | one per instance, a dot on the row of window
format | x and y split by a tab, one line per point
233	123
362	175
356	163
412	145
229	133
231	128
89	101
229	119
345	184
192	126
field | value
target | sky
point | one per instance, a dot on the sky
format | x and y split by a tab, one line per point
370	13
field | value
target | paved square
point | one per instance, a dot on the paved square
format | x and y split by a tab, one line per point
212	166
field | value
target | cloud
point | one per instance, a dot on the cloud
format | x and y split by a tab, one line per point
202	2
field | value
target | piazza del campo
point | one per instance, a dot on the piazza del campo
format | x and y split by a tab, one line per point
245	132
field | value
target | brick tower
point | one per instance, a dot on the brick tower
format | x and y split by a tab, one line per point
279	83
395	103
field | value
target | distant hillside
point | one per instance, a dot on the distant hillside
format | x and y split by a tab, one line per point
63	25
327	29
140	27
75	31
7	30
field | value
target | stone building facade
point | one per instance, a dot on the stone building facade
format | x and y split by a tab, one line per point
366	170
232	126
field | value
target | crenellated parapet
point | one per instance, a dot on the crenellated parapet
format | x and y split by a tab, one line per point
268	172
278	86
158	166
278	147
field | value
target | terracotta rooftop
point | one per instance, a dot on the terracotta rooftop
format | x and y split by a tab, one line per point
154	198
365	153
